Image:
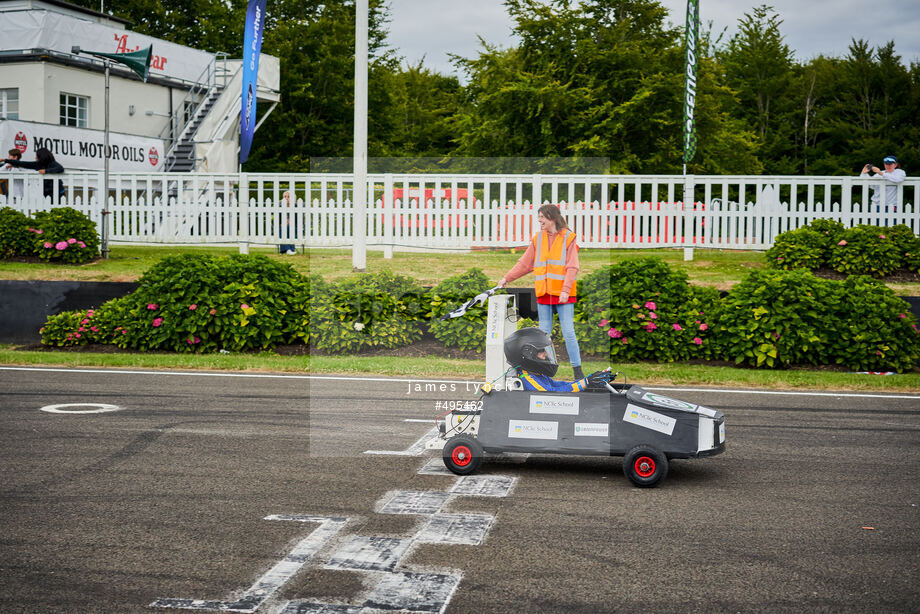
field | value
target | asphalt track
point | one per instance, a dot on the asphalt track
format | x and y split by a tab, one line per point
203	487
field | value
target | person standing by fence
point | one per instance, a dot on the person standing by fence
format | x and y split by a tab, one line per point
553	257
892	176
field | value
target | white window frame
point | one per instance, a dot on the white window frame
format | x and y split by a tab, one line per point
9	97
74	110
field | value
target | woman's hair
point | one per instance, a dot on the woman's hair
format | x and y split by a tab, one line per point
43	157
15	153
551	212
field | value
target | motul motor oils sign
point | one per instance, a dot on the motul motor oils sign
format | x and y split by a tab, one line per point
81	149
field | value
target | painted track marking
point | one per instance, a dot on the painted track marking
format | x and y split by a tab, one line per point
272	580
59	408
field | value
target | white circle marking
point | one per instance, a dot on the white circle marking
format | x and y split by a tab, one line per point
60	408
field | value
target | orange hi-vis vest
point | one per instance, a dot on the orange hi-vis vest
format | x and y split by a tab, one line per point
549	262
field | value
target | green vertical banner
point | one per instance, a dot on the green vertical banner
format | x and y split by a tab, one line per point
692	57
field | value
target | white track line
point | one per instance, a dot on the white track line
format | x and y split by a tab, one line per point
464	382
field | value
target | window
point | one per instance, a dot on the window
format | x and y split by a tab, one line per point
73	110
9	103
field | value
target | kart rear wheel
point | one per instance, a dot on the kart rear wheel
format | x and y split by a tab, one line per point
462	454
645	466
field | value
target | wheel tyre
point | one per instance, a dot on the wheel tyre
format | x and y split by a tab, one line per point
462	454
645	466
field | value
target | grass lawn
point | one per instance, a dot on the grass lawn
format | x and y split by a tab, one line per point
435	367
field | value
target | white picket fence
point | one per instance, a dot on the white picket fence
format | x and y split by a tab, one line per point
465	212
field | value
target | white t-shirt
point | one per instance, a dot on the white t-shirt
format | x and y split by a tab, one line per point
891	189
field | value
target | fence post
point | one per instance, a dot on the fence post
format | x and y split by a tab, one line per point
388	216
537	194
243	199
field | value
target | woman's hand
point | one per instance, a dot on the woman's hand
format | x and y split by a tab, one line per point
563	297
502	283
41	171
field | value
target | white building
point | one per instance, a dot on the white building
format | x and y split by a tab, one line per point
185	117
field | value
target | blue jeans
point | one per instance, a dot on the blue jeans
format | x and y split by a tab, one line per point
566	313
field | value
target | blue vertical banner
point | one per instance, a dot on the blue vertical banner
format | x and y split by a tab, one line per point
692	57
252	47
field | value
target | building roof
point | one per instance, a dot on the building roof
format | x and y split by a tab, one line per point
60	4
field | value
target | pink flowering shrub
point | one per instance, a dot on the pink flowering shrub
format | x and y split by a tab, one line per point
641	309
159	314
67	236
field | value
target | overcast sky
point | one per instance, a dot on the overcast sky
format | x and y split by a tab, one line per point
434	28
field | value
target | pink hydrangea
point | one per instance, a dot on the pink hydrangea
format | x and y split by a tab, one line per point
677	327
60	246
81	244
94	329
212	312
47	245
614	333
697	341
902	315
152	306
653	315
90	313
604	323
881	236
85	321
193	340
71	241
78	335
244	306
157	322
651	305
192	307
81	329
842	243
651	326
704	326
625	340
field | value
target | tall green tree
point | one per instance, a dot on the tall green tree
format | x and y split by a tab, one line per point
595	78
758	66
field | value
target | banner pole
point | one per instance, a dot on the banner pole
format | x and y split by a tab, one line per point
105	173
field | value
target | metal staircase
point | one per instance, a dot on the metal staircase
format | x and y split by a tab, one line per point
179	133
181	156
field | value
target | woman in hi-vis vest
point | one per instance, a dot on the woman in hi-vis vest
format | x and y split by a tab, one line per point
553	257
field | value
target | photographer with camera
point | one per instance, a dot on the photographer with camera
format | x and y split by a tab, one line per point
892	176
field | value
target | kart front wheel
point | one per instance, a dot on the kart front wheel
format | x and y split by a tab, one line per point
462	454
645	466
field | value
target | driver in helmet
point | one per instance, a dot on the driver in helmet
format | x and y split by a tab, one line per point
530	351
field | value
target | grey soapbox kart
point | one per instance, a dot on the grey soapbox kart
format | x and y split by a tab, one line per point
646	428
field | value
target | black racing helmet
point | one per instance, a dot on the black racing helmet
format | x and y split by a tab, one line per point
522	347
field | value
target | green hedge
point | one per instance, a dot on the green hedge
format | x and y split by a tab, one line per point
861	250
638	309
468	332
380	310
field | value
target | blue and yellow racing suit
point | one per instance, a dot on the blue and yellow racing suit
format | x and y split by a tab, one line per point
544	383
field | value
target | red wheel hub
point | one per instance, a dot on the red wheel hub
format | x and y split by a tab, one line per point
462	456
645	466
